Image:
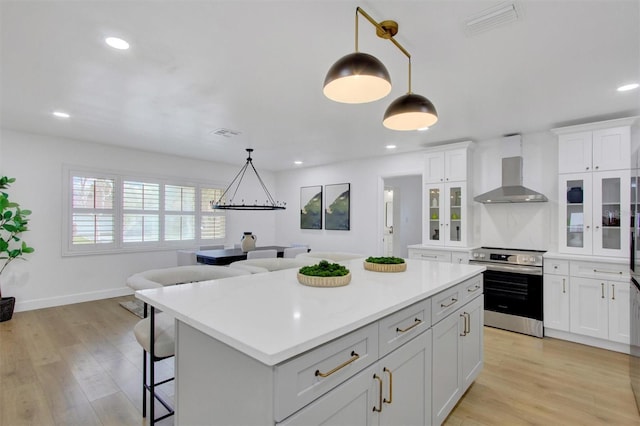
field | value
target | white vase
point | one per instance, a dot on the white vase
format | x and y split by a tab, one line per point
248	242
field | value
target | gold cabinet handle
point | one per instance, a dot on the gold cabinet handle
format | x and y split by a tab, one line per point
390	400
604	271
602	286
376	377
416	322
613	292
453	301
474	288
564	290
354	356
464	324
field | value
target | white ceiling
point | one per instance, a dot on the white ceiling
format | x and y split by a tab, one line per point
258	66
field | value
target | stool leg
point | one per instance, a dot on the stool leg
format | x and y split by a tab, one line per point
144	383
152	357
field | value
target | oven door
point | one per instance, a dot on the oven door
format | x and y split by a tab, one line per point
514	291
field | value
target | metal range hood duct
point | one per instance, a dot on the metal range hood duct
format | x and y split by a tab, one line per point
512	190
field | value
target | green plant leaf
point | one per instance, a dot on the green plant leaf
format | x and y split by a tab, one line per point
9	227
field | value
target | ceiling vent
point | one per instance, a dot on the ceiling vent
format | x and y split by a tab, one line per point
227	133
491	18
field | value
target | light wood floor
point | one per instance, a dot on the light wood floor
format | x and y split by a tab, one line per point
80	365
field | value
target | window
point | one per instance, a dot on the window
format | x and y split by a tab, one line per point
111	213
93	216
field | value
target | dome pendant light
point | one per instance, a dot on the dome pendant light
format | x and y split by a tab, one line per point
410	111
360	78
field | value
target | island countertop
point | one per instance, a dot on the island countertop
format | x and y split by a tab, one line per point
272	318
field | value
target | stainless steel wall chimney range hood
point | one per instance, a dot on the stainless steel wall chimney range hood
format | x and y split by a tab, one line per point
512	190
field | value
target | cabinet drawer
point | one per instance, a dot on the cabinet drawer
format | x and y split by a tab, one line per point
602	271
462	257
299	381
556	266
442	304
432	255
471	288
402	326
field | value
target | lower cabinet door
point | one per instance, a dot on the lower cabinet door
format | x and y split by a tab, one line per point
589	307
351	403
556	301
472	341
405	374
619	308
446	371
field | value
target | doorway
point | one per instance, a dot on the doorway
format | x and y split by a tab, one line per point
402	214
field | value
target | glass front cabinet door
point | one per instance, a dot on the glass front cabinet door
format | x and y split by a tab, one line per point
446	214
595	213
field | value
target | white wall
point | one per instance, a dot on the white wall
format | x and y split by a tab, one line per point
365	177
522	225
47	278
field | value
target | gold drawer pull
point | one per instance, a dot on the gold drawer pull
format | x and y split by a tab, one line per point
390	400
604	271
416	322
376	377
354	356
453	301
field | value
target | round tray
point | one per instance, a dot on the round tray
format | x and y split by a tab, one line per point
385	267
324	281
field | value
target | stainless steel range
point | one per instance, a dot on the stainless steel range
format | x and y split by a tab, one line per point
512	288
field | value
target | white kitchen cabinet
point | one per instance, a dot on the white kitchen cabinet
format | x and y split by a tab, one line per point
390	392
449	165
447	214
594	213
556	301
437	254
457	356
594	150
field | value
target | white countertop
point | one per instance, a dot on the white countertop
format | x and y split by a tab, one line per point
443	248
586	258
271	317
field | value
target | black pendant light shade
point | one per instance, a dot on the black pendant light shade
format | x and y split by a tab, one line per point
410	112
357	78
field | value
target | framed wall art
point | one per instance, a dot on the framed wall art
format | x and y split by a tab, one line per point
337	211
311	207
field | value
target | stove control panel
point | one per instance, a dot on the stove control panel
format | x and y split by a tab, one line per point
507	256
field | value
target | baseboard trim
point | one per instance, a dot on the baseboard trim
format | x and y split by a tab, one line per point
30	305
587	340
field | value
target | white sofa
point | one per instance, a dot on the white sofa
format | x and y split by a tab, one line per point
155	278
256	266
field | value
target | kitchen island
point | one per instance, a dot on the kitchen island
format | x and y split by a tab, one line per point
264	349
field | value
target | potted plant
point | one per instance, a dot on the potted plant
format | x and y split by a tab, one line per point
324	274
13	222
385	264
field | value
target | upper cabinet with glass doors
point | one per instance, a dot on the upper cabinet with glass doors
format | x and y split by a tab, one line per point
595	188
447	208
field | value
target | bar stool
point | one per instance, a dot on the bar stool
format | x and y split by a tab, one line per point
156	347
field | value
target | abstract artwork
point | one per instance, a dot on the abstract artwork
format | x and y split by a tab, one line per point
336	214
311	207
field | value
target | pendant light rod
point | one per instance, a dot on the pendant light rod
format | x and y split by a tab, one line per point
386	30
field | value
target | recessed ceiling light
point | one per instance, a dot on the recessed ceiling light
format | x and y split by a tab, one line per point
117	43
60	114
390	147
423	129
297	162
627	87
